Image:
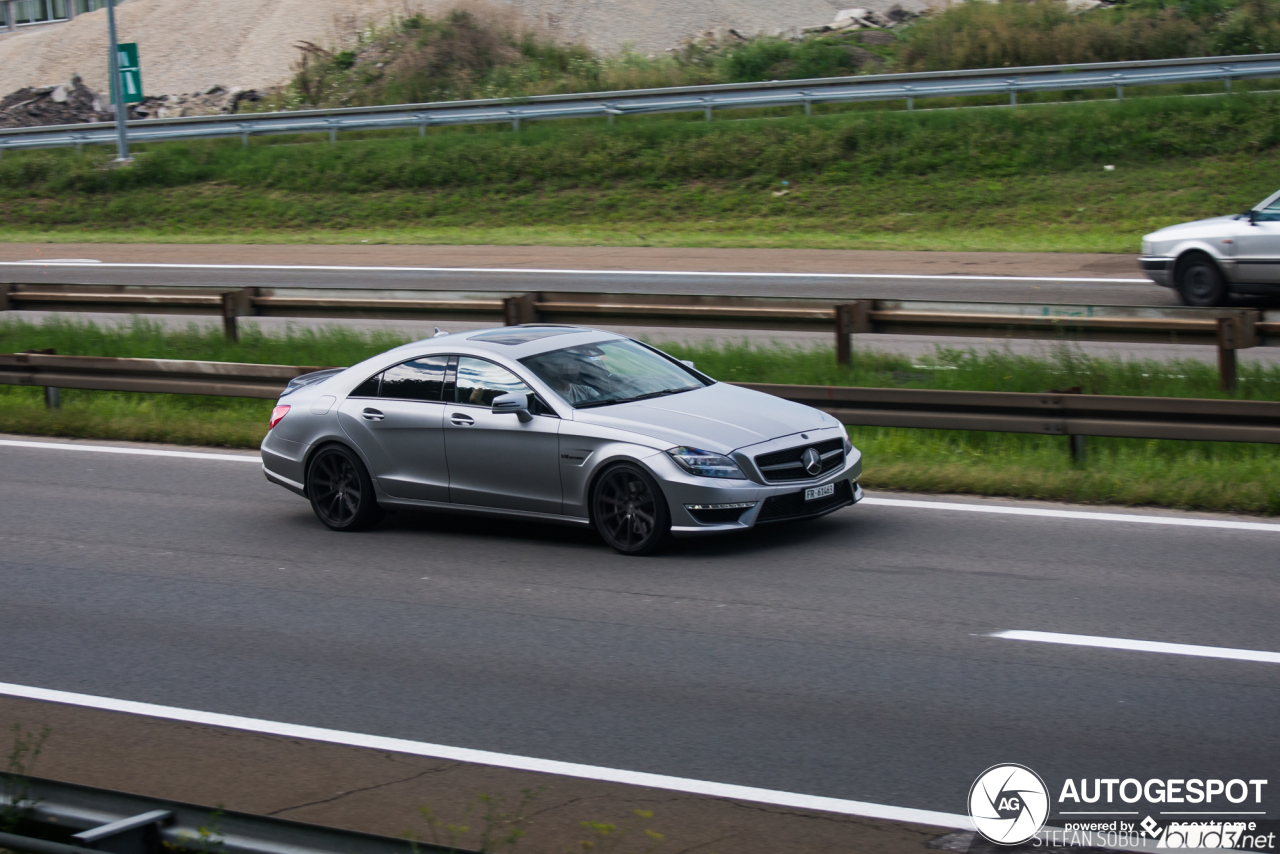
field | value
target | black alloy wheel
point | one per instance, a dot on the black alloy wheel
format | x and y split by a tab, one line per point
341	491
629	511
1200	283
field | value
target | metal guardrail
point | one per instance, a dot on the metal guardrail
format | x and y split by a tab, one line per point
122	823
1049	414
166	376
1227	329
705	99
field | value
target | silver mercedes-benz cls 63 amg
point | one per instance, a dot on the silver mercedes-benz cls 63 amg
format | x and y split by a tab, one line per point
559	424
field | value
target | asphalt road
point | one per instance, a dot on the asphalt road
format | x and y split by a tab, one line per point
975	286
848	657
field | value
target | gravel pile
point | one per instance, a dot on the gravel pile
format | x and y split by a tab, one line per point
190	46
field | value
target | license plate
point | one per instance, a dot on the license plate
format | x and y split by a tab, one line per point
819	492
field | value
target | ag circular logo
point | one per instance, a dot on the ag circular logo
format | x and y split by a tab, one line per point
812	461
1009	804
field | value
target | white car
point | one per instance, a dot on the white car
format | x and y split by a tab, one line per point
1209	260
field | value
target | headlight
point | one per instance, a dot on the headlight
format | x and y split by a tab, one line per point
848	445
705	463
1146	247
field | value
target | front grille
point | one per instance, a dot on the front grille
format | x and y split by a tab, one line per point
793	506
718	515
786	465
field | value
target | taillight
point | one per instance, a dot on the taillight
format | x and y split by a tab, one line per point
278	413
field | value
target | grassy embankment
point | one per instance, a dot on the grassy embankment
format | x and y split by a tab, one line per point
978	179
860	176
1198	475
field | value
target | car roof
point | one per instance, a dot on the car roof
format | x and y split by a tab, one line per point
514	342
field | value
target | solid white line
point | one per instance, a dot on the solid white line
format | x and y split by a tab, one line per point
1142	646
1081	515
501	760
339	268
883	502
143	452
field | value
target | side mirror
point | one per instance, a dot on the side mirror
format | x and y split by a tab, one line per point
517	403
1253	217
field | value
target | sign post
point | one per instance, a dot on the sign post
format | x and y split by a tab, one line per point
118	88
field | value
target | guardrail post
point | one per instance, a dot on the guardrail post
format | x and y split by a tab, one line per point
235	304
521	309
850	318
1228	85
1079	449
5	290
1227	345
1013	99
52	399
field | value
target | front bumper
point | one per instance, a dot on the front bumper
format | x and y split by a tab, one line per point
1158	269
698	504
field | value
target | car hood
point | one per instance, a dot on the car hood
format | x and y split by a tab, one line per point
719	418
1199	228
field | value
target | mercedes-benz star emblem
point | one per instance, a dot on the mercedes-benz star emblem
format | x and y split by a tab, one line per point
812	461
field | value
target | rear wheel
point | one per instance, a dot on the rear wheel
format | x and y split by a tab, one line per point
1200	283
341	490
629	511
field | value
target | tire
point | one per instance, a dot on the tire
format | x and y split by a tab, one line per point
629	510
1200	283
341	490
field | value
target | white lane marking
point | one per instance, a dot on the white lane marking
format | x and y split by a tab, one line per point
339	268
1141	646
76	261
1082	515
501	760
143	452
883	502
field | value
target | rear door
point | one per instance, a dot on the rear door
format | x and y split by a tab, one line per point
397	419
1258	252
495	460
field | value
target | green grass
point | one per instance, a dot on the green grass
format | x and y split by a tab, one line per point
1028	180
1193	475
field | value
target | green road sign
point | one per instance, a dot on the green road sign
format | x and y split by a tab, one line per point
130	73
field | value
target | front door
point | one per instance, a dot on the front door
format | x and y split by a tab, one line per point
397	419
1258	247
495	460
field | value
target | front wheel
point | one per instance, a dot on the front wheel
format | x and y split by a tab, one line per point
629	511
341	490
1200	283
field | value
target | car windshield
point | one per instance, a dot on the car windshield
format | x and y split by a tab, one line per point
610	372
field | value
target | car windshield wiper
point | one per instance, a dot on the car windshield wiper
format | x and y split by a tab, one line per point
606	401
663	393
609	401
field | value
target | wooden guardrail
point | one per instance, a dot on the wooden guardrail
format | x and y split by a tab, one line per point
1226	329
1049	414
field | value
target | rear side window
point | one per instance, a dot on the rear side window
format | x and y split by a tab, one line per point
420	379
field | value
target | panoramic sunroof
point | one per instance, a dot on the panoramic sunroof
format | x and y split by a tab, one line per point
517	335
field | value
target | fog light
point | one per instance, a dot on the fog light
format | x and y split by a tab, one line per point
739	506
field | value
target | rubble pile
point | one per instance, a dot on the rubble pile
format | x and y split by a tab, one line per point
64	104
859	19
214	101
74	103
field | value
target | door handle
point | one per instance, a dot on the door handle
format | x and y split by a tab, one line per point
460	420
372	414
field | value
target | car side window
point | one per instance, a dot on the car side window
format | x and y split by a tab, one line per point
417	379
1271	213
479	381
368	388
